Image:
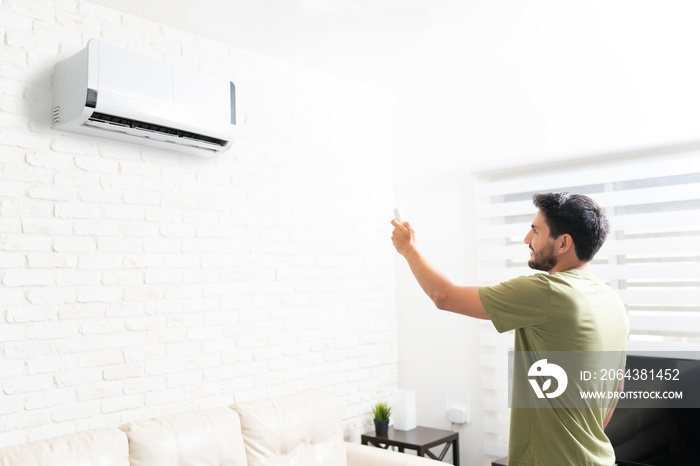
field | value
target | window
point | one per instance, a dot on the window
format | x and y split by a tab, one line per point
651	256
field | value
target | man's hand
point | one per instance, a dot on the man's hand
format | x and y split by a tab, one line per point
403	237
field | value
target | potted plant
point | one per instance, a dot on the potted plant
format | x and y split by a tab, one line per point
381	412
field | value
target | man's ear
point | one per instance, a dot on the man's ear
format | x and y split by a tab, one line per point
566	242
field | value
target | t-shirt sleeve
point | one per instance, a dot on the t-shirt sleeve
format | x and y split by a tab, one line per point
517	303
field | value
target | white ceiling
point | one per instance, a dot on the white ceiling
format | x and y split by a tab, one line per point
381	41
487	83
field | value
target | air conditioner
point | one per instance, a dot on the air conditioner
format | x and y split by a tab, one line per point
115	93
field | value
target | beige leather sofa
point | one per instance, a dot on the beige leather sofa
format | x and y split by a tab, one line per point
297	430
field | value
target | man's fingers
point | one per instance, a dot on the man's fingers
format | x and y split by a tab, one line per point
398	224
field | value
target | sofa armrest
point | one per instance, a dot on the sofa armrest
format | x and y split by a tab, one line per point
365	455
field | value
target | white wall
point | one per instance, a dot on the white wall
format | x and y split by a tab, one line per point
136	282
439	351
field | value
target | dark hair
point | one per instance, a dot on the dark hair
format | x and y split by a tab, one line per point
576	215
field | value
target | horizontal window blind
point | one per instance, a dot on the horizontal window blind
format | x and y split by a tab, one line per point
651	256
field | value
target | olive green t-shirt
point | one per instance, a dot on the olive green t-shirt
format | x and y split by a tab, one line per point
565	311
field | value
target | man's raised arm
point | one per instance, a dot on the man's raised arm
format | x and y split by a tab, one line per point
446	295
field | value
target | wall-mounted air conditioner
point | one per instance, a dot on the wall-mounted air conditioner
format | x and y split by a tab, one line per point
115	93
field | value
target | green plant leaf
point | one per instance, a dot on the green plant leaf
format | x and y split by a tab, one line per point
381	411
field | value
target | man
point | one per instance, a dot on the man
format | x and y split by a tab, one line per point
565	309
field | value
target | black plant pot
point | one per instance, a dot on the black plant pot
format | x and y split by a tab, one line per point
381	428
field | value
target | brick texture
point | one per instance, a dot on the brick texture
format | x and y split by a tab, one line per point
136	282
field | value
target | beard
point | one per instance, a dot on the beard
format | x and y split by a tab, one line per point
544	260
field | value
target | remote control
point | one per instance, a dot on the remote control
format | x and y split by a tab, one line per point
397	215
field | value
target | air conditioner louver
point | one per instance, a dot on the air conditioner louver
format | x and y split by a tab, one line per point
149	130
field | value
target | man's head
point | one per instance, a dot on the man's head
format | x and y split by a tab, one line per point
575	215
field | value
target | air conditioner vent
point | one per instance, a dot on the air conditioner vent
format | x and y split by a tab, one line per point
115	122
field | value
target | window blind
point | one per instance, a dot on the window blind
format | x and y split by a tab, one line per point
651	256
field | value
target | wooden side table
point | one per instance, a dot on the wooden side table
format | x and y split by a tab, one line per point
420	439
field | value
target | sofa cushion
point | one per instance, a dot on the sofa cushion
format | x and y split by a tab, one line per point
202	438
299	430
99	447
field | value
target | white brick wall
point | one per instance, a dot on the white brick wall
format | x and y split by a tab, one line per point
136	282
